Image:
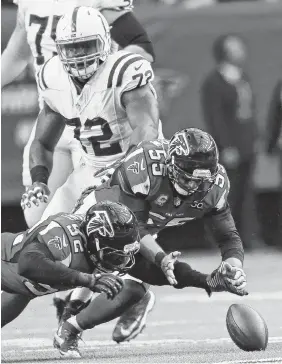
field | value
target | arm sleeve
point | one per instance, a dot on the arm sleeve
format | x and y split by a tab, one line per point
38	264
274	118
127	30
223	228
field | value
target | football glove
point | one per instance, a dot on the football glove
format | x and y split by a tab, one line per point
219	280
36	193
236	277
106	283
167	266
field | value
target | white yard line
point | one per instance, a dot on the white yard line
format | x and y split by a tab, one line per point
265	361
104	327
34	344
255	361
220	297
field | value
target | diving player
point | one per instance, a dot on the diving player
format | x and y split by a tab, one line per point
169	183
69	250
62	252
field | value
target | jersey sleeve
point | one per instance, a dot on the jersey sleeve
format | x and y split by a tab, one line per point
56	240
51	79
135	171
137	73
220	190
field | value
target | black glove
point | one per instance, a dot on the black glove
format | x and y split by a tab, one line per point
106	283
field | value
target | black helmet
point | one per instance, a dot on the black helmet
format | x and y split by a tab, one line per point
112	236
192	162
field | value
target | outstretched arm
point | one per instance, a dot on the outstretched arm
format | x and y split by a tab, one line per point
37	263
221	223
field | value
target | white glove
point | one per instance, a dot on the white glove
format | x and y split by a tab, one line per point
167	266
218	281
38	192
236	277
113	4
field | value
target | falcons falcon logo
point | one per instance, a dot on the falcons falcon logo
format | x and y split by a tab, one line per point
100	222
179	145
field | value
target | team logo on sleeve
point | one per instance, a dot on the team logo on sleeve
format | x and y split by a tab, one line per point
161	200
101	223
134	167
58	243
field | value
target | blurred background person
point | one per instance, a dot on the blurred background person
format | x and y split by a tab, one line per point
270	199
229	113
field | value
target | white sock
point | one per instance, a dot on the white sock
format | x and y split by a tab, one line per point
74	323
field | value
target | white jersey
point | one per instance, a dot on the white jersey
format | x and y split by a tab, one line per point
40	19
96	114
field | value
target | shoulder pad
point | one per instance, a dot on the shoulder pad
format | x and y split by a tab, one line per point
52	75
129	71
144	167
65	219
136	170
56	239
220	190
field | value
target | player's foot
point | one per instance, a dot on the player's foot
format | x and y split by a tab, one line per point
66	341
133	321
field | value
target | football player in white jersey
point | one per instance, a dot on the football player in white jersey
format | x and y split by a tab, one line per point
106	99
34	37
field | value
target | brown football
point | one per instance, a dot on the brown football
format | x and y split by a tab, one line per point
246	328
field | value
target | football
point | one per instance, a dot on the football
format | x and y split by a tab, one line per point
246	328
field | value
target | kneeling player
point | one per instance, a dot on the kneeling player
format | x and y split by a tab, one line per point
168	183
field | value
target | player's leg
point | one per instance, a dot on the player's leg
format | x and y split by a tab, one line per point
133	320
14	295
12	305
99	311
62	168
66	196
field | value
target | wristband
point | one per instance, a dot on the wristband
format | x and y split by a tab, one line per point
159	257
39	174
85	280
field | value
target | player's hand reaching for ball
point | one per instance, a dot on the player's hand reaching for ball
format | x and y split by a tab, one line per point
36	193
227	278
235	276
167	266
